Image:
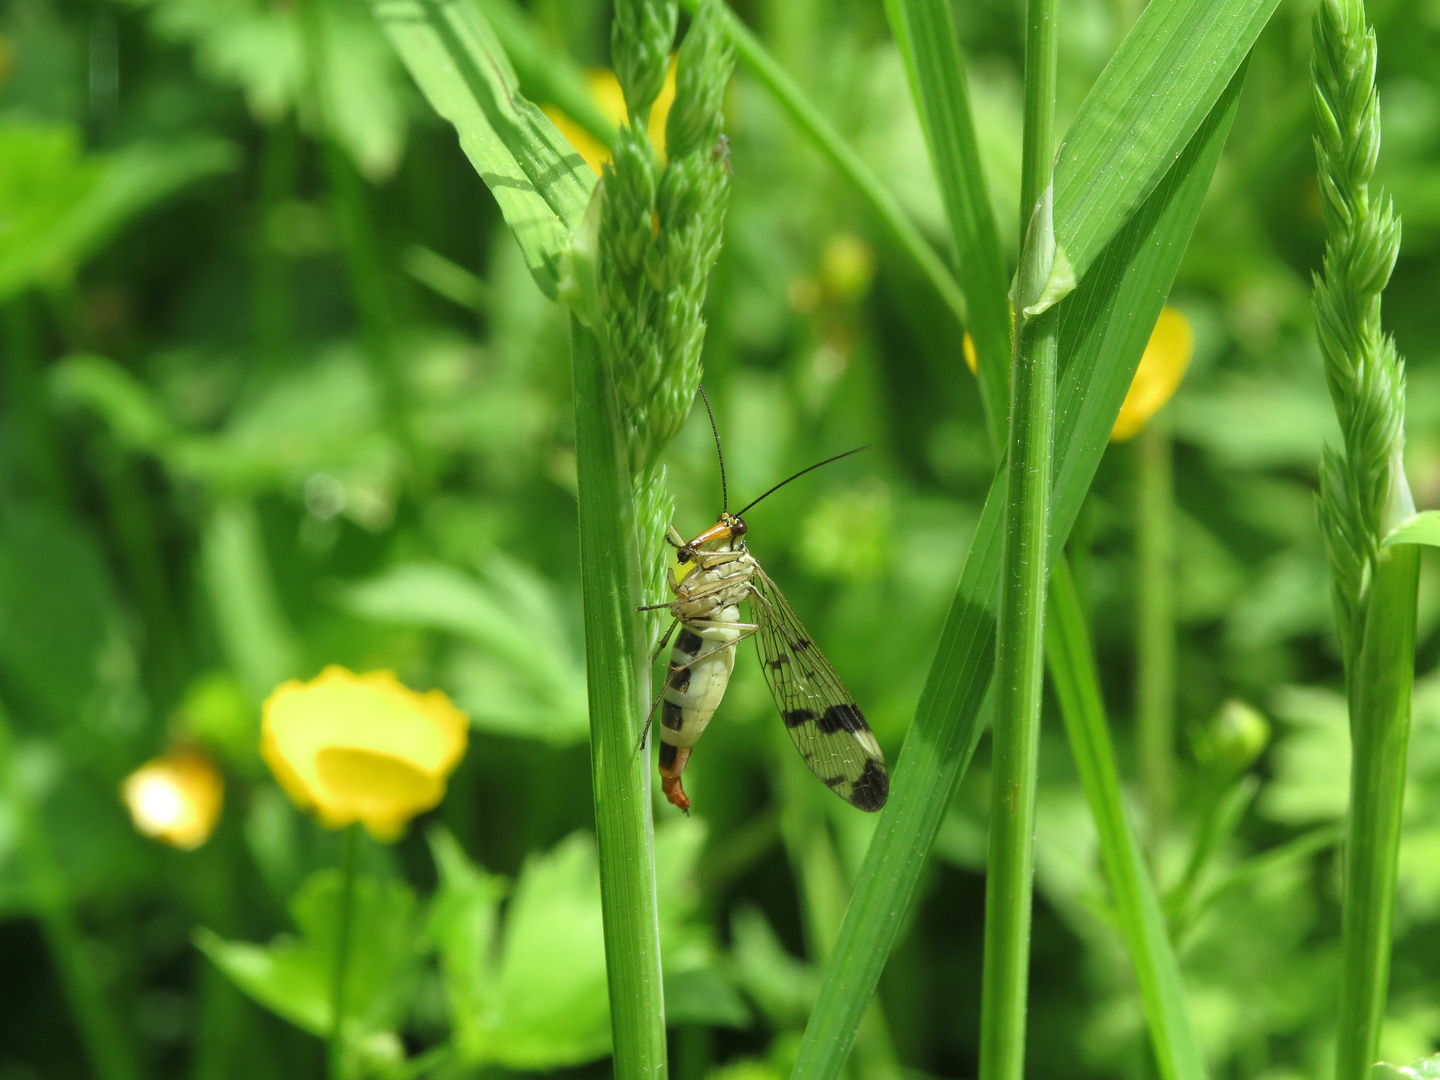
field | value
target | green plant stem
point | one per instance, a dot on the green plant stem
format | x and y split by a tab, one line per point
1379	690
925	32
1010	868
1037	138
340	976
1157	971
1155	620
1104	333
617	680
828	141
106	1046
272	284
1020	624
29	407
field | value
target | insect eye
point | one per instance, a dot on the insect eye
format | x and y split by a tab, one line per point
738	527
683	555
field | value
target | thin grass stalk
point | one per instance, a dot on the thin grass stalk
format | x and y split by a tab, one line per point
1142	920
1363	495
1010	867
272	310
823	136
1155	620
616	675
29	406
1020	625
925	32
1379	733
106	1046
344	943
953	708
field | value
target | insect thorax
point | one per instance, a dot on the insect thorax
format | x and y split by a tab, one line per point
714	584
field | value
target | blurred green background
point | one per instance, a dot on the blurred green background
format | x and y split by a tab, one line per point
266	410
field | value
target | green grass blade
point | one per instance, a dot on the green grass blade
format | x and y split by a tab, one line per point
1379	688
546	74
614	671
1104	328
828	141
1157	972
540	182
926	34
1142	112
1423	528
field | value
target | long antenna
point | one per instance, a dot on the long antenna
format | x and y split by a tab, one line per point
802	472
724	494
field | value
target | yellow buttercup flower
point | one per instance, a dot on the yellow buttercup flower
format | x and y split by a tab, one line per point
1157	377
362	748
1163	365
175	798
605	89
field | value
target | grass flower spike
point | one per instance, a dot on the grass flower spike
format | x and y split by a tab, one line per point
1158	376
605	89
362	748
175	798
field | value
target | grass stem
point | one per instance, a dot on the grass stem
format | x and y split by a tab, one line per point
350	842
1155	620
1024	569
1379	692
822	134
617	680
1141	918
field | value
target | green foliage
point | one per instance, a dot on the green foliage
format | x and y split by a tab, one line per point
540	184
60	204
208	483
291	977
260	49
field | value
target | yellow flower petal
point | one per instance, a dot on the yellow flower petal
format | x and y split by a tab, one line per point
1158	376
362	748
605	89
175	798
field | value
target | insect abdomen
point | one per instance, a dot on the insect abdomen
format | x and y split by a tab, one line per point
695	687
700	665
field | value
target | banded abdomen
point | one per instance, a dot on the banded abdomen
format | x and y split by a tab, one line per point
693	690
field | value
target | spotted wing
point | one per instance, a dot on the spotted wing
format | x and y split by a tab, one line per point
828	728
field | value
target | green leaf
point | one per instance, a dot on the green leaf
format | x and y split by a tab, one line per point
127	406
258	47
75	670
1157	971
1423	528
507	1006
1143	111
1424	1069
463	919
540	182
546	74
1105	325
256	639
59	205
292	978
530	1019
527	677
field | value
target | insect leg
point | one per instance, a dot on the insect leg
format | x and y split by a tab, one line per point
663	642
